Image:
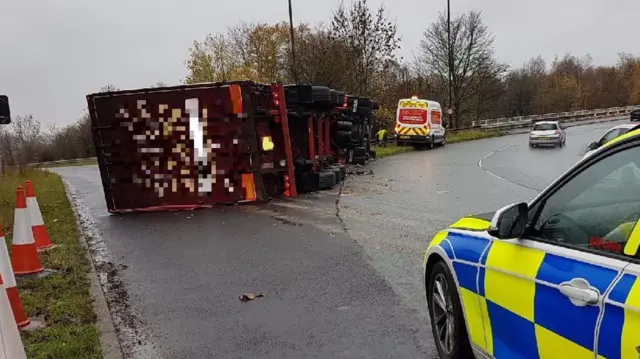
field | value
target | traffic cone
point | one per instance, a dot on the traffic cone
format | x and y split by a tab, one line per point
24	255
10	284
40	234
10	342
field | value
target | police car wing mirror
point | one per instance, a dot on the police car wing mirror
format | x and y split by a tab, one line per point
509	221
592	145
5	113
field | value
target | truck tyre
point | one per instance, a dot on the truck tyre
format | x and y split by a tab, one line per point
344	125
364	102
321	95
343	135
334	97
338	173
343	171
327	179
307	182
360	161
360	152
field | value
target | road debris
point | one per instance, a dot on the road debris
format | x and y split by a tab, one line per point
245	297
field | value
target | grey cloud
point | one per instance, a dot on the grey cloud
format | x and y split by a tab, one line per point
55	52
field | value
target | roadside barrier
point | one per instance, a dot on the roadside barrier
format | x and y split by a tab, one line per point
10	284
24	254
38	228
11	346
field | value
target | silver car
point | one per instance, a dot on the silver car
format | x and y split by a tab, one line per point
549	133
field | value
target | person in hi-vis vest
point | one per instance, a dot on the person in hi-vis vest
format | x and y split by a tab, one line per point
381	135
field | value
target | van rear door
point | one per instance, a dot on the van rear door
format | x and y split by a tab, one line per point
412	118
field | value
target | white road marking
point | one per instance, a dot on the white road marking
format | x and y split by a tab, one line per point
489	155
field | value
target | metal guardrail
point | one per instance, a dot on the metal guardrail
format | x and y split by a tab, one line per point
61	162
524	121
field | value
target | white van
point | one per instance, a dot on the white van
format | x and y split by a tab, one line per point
419	123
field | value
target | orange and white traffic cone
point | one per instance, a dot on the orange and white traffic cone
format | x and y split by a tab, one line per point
10	284
10	342
24	255
40	234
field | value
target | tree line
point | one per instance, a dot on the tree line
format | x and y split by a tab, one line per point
357	51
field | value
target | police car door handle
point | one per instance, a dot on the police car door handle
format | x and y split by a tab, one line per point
579	292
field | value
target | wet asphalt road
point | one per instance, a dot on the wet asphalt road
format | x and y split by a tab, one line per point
184	271
346	286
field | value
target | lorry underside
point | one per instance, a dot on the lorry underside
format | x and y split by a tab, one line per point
192	146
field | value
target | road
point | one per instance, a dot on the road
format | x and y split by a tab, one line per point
341	274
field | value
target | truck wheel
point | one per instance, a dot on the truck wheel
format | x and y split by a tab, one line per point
344	125
360	161
360	152
321	95
307	182
343	135
327	180
338	173
334	97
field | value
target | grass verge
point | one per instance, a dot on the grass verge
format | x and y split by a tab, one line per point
87	162
470	135
62	299
391	149
452	137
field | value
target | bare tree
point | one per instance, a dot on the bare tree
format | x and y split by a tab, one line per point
473	61
27	137
370	37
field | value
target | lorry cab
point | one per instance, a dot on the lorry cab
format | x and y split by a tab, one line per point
419	123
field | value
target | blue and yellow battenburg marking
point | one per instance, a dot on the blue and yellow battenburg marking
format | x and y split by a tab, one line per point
620	328
514	309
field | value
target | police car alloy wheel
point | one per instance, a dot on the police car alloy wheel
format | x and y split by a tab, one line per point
447	321
444	320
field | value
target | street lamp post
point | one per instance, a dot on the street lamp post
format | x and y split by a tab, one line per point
294	68
450	60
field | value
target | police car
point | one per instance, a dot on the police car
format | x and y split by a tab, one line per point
610	135
553	278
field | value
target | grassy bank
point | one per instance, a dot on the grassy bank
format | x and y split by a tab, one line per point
452	137
470	135
86	162
391	149
61	299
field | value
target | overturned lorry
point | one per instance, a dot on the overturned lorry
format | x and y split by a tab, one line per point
185	147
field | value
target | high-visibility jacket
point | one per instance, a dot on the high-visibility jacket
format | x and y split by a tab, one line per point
381	134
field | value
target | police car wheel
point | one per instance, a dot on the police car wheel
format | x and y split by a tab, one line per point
447	321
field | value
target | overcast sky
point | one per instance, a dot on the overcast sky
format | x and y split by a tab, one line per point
56	52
